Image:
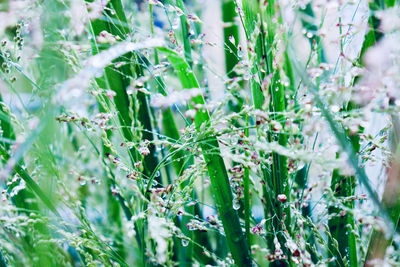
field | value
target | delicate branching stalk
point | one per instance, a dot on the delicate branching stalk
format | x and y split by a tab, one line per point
341	186
171	131
346	145
344	186
380	241
108	82
216	169
249	178
276	177
119	80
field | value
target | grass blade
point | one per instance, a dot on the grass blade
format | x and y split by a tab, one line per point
276	178
216	169
346	145
231	36
381	241
185	33
119	80
30	182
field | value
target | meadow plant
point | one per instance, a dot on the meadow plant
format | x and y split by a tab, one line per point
125	141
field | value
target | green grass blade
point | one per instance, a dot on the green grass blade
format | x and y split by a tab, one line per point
341	227
346	145
247	197
6	127
231	36
30	182
251	11
276	179
381	241
216	169
345	186
309	26
231	42
185	33
119	80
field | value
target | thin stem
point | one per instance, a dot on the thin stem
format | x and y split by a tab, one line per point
215	168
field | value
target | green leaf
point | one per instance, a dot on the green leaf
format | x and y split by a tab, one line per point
215	167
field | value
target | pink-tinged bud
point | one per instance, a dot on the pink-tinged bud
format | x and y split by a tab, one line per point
281	198
110	94
138	164
144	151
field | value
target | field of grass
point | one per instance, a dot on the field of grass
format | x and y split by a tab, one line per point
199	133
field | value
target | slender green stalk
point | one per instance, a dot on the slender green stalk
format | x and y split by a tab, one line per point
184	253
311	27
275	178
341	226
381	241
343	245
119	80
185	33
231	36
216	169
168	121
231	41
113	207
246	186
344	186
171	131
346	145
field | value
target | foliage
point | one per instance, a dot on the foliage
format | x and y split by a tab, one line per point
124	144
